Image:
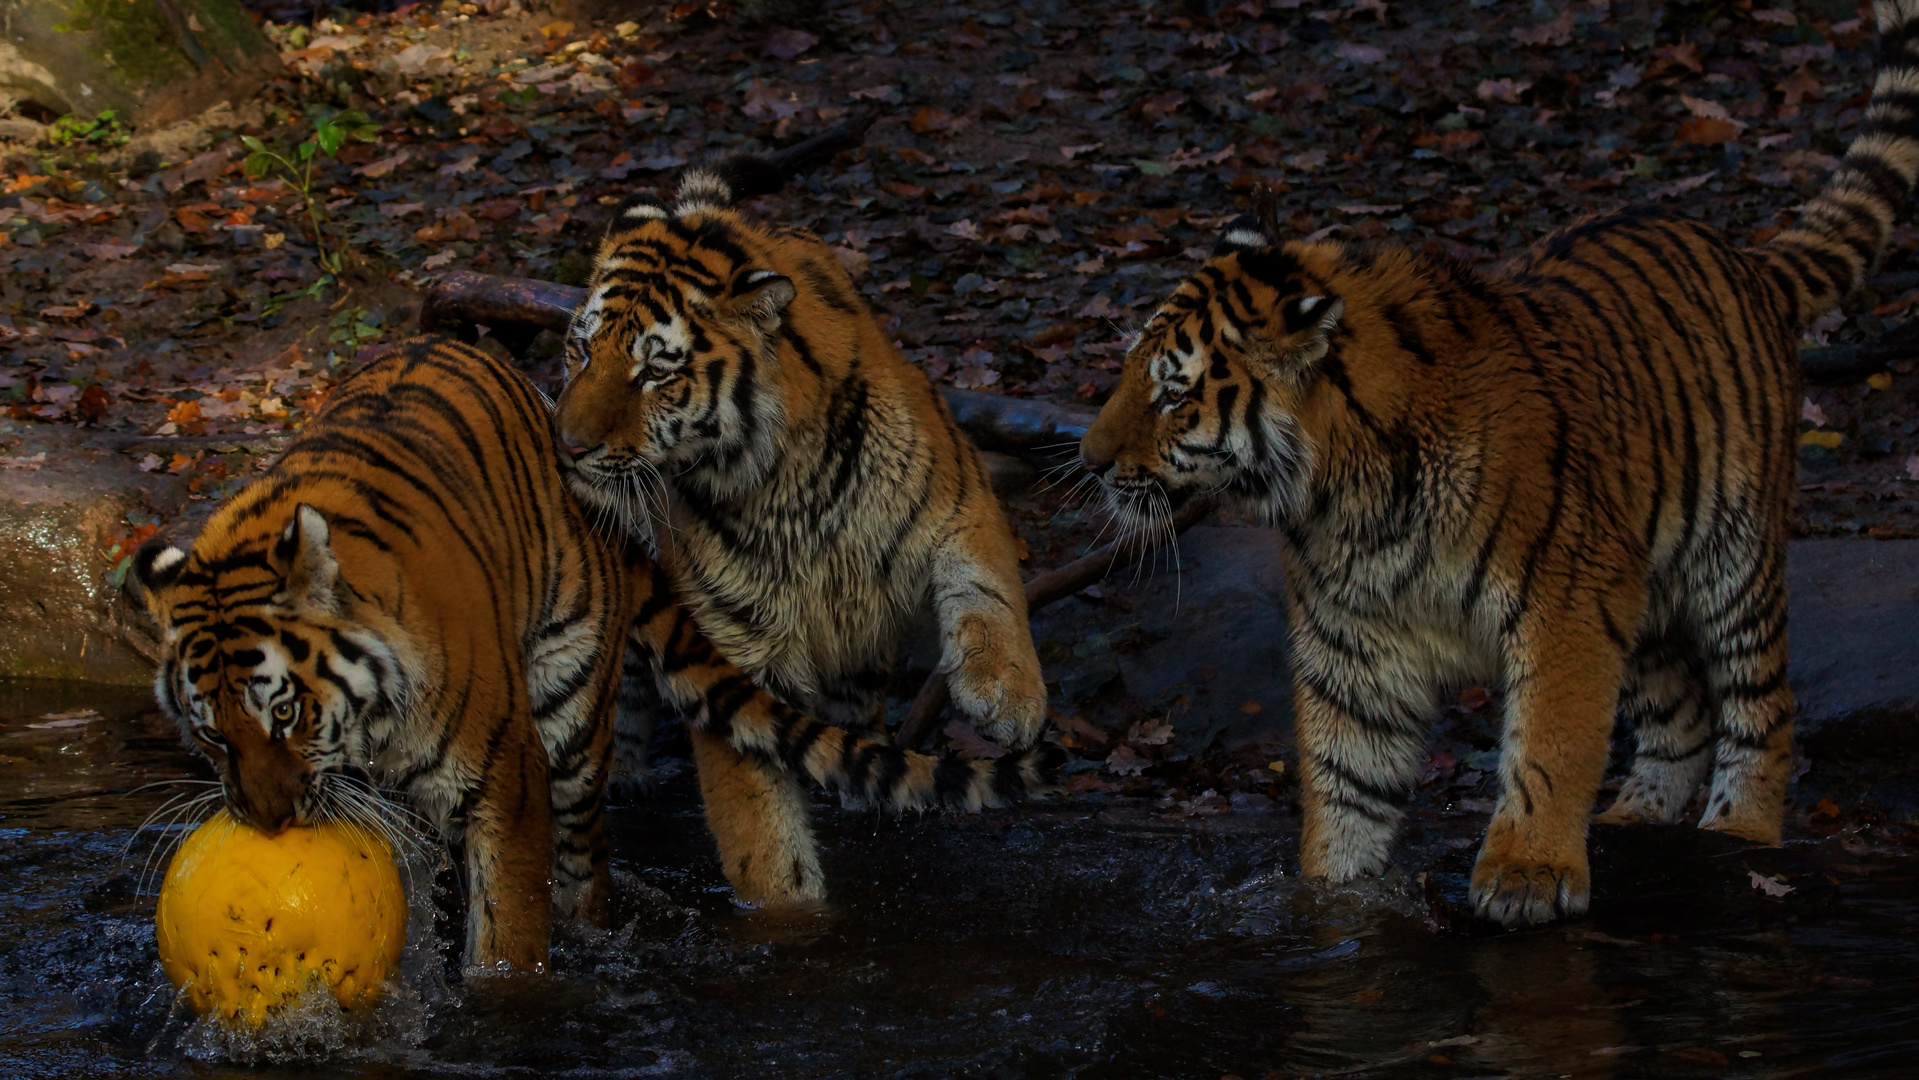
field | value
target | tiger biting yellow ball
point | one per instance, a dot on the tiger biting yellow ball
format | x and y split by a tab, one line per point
247	921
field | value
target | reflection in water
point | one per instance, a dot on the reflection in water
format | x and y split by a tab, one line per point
1066	939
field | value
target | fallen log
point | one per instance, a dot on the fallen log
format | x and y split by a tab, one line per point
1836	363
1045	589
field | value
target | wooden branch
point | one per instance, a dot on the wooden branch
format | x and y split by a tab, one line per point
1045	589
1837	363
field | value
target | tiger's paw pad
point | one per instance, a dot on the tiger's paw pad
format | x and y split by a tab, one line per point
1530	893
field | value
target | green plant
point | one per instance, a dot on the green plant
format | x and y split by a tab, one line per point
350	330
329	134
102	130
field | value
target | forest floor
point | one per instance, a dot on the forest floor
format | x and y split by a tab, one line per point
1041	174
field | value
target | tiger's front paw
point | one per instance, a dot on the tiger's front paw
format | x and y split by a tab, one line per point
996	682
1525	891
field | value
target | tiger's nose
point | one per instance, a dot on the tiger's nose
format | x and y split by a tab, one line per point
1096	460
575	452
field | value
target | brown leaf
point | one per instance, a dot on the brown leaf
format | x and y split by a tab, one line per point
1706	131
1076	726
68	311
373	170
786	44
93	403
1796	87
970	744
1126	761
191	220
497	209
1685	54
1557	32
929	119
633	75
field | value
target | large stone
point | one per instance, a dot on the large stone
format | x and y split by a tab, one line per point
1853	627
1213	634
154	61
58	617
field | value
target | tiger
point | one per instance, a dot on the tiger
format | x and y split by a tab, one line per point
411	601
1571	475
729	398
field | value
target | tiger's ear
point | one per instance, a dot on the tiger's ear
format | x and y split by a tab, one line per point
155	566
1309	323
1243	233
1312	312
305	560
760	297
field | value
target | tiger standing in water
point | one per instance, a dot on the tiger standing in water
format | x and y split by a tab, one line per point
411	600
731	401
1572	475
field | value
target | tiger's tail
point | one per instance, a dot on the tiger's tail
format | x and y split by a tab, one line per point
1841	235
717	697
719	184
875	771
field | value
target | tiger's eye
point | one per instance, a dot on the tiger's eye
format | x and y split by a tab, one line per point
284	710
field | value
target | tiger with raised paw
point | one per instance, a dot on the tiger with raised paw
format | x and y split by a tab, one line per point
1572	475
731	400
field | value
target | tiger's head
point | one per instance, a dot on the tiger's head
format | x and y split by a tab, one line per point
267	670
1209	399
670	362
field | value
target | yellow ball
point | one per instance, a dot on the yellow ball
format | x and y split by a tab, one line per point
246	921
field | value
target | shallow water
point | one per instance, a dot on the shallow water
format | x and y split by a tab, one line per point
1077	938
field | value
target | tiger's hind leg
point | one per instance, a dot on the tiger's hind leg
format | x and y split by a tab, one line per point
758	815
1664	696
1739	619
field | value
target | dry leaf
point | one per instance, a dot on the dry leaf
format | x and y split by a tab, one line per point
970	744
1126	761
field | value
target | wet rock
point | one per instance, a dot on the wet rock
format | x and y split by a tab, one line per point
1008	474
58	617
1205	646
1853	624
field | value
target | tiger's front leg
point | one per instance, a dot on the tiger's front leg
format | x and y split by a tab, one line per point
1563	677
987	652
1362	738
509	854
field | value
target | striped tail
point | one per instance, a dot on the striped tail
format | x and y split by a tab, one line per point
720	184
1841	235
873	770
717	697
